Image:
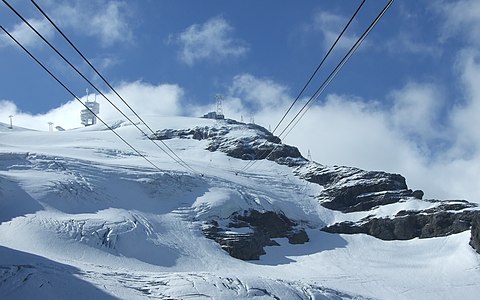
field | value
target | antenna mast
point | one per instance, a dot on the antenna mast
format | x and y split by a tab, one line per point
219	99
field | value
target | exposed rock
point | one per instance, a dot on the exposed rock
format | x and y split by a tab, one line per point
273	224
298	237
418	194
351	189
247	246
455	205
475	237
261	227
345	189
260	145
409	226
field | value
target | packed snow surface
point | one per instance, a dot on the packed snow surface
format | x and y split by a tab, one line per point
83	215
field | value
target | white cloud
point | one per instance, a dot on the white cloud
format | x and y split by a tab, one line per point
465	116
342	130
416	109
405	43
145	99
68	116
348	130
27	36
259	93
461	17
105	20
331	25
248	96
211	40
436	149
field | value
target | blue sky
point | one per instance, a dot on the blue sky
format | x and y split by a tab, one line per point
406	102
279	40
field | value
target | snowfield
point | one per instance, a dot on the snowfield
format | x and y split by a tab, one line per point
84	216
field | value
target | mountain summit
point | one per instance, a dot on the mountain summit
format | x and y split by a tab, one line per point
248	217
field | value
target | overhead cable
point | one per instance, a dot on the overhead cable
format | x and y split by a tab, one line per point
310	79
327	81
178	159
319	65
104	80
78	99
337	69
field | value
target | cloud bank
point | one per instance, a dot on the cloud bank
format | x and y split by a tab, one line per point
108	21
330	26
436	152
211	40
26	36
144	98
341	130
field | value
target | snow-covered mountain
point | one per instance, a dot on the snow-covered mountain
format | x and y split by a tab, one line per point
83	215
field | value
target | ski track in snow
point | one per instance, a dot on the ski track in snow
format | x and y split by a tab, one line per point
83	216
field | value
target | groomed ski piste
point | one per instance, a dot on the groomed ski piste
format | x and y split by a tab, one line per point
85	217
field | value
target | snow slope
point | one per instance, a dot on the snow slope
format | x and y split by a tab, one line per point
83	215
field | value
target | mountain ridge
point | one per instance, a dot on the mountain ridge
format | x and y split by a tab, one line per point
84	200
346	189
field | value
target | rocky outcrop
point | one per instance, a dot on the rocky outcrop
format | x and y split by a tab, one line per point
351	189
246	235
407	225
227	137
244	246
344	189
475	237
418	194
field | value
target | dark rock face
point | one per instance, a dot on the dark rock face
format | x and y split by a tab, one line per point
351	189
345	189
455	205
475	237
408	225
261	145
262	227
298	237
242	246
418	194
273	224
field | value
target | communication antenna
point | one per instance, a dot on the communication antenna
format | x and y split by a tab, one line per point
219	99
